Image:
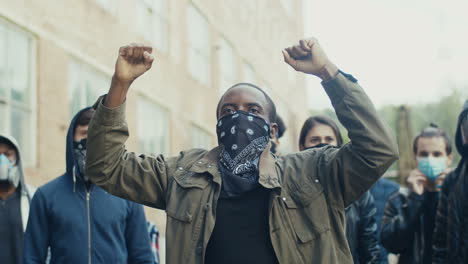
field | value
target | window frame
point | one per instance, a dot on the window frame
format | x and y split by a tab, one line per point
148	100
30	106
84	68
195	51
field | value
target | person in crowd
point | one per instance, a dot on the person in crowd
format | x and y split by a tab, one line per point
361	226
154	240
237	203
15	198
381	191
409	218
450	243
80	222
275	143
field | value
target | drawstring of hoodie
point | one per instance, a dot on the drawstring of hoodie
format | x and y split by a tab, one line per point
74	179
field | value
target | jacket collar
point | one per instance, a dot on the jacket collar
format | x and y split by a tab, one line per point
268	176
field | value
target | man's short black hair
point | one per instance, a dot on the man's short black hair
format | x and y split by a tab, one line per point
271	104
433	131
85	117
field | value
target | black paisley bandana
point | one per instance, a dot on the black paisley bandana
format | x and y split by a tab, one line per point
80	157
243	137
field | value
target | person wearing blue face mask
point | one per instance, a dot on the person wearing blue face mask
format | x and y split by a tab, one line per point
15	198
409	218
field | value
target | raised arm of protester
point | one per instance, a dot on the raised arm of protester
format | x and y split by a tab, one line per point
300	197
352	169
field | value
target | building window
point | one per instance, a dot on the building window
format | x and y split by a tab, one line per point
201	138
85	85
227	66
153	22
199	45
248	73
17	95
153	127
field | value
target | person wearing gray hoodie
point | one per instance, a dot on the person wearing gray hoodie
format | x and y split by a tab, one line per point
15	198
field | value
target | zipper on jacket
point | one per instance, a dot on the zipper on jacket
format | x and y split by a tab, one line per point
89	226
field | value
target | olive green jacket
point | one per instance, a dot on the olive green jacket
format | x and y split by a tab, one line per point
309	189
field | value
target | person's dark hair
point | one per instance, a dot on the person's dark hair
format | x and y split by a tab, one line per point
6	141
281	126
433	131
312	121
85	117
271	104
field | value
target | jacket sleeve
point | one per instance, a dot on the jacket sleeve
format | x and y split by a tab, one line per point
140	178
355	167
399	220
36	238
369	250
439	244
137	237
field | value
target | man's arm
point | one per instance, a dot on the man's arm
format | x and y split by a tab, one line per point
140	178
36	238
137	237
352	169
369	250
399	221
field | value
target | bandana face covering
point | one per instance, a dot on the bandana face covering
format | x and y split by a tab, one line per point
80	157
243	137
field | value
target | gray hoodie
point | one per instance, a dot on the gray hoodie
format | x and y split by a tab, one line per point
27	191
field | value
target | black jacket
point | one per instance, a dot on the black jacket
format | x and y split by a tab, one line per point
407	226
450	243
361	230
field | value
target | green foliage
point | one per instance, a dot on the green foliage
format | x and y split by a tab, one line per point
443	112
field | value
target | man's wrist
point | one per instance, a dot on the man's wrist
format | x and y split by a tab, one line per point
117	92
328	72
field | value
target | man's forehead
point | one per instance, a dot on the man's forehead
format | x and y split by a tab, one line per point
431	143
245	93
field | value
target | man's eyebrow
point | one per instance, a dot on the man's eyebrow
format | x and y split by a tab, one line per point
254	104
227	104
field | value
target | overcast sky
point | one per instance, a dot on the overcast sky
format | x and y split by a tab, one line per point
401	51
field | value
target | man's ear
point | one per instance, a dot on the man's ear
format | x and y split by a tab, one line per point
273	130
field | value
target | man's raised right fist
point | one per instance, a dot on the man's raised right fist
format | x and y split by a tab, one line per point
133	61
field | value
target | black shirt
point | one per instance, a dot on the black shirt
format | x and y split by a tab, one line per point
241	233
430	209
11	229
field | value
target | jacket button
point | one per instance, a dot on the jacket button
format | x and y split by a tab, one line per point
316	180
209	165
207	206
200	162
199	249
284	199
180	168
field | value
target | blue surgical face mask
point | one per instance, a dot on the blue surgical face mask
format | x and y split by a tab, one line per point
8	171
432	167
